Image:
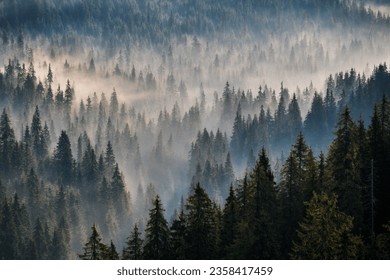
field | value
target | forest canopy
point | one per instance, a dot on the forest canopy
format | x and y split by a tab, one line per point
194	130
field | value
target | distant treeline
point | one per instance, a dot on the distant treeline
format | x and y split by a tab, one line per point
154	22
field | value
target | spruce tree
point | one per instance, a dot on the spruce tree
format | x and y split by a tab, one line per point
111	253
379	143
94	249
326	232
294	118
201	226
343	163
264	216
157	235
178	240
63	159
7	144
133	249
229	222
37	135
40	241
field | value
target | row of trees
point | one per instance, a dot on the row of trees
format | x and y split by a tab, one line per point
154	22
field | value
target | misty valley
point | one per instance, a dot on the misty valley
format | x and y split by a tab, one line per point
200	129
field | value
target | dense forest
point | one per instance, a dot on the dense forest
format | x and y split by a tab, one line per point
194	130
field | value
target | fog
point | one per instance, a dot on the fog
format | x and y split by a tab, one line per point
159	109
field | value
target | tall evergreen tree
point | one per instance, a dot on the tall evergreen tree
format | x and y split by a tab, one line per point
229	222
111	253
133	249
326	232
264	219
178	238
379	143
201	226
343	161
7	144
94	249
37	135
63	159
294	118
40	241
156	244
118	192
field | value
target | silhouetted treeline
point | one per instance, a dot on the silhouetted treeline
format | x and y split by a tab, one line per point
155	22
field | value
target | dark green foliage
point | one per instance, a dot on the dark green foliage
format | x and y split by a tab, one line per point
383	244
178	237
294	118
379	143
118	193
157	235
298	180
40	241
256	232
201	226
7	144
111	253
343	161
315	123
229	222
264	221
63	160
133	249
8	233
94	249
326	232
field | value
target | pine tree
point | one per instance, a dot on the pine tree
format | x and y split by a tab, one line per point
343	164
315	123
133	249
111	253
8	233
37	135
326	232
63	159
244	196
114	107
229	222
156	246
59	248
178	240
294	118
291	200
228	176
92	68
94	249
298	179
264	218
236	143
201	226
89	168
118	193
7	144
379	143
50	76
109	160
69	96
34	195
40	241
